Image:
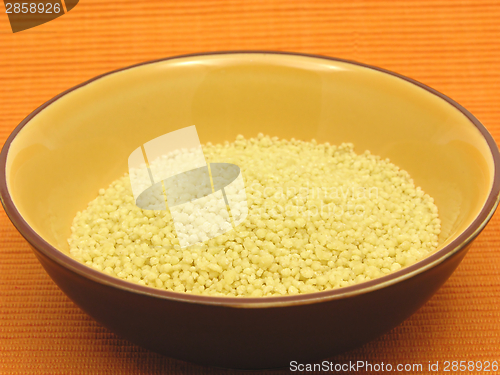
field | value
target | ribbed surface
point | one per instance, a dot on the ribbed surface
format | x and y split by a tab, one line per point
450	45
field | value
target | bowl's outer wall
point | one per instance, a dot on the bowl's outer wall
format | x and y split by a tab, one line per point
250	338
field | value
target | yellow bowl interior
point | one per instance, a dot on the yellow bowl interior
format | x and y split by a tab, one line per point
81	142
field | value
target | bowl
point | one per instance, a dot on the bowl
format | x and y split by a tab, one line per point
57	159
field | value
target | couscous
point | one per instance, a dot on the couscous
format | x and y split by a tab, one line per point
319	217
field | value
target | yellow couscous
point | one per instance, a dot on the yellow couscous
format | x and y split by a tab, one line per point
319	217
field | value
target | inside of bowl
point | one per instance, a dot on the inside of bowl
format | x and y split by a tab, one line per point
81	141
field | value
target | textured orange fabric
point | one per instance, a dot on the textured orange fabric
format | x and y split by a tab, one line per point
450	45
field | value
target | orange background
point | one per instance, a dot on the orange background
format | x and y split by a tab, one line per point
452	46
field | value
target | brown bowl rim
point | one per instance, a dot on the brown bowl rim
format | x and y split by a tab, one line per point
463	239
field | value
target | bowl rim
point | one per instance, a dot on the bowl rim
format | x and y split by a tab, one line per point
459	243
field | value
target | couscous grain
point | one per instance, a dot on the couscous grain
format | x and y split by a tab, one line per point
319	217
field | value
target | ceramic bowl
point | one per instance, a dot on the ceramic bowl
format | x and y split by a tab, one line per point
58	158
